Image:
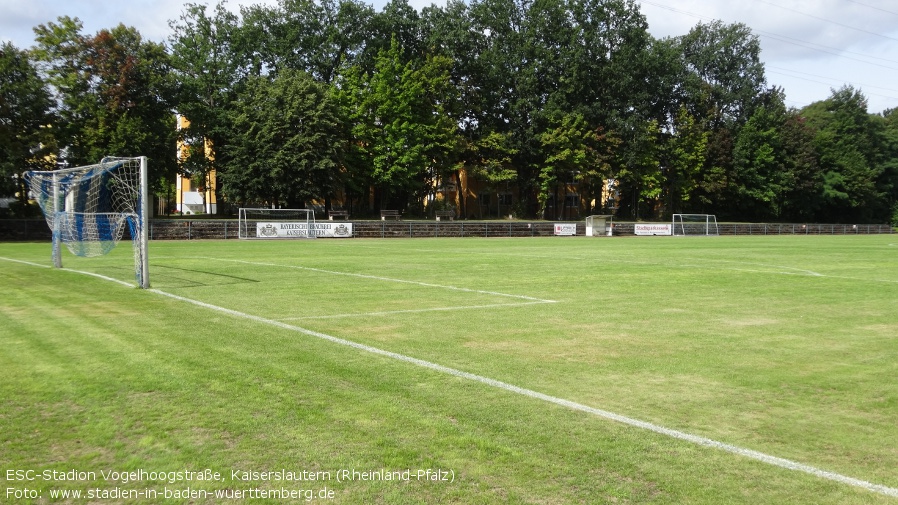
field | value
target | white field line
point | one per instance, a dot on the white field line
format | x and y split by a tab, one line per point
92	274
787	270
411	311
801	271
629	421
385	279
29	263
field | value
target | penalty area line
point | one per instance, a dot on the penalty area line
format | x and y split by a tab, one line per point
385	279
629	421
413	311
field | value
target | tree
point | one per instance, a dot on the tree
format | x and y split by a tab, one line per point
804	189
283	149
209	63
398	23
686	154
724	62
889	178
637	173
611	72
317	37
113	92
574	152
402	136
760	177
450	31
488	159
26	134
847	145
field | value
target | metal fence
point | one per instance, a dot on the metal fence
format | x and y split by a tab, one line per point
203	229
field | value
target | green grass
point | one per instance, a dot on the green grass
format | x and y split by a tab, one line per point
783	345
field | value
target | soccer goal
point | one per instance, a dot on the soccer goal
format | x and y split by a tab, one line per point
276	223
695	225
89	207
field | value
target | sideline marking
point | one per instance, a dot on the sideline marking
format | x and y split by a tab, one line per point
100	276
378	278
680	435
30	263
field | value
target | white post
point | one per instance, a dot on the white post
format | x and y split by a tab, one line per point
57	252
144	219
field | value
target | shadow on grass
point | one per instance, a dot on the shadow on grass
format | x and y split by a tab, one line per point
206	278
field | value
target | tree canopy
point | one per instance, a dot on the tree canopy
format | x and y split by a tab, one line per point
310	99
25	115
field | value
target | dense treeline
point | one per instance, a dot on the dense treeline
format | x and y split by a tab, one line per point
310	101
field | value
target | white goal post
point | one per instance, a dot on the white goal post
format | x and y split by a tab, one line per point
88	208
262	223
695	225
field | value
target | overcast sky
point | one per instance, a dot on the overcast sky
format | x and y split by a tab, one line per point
809	46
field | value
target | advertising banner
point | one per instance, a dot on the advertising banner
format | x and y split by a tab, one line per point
653	229
327	229
565	229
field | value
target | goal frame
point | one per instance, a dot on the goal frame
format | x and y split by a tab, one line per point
57	214
274	221
684	225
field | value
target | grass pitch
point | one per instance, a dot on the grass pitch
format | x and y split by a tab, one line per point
787	346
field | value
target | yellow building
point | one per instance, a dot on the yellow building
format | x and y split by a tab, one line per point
190	197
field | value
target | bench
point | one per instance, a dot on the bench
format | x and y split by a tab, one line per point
384	214
445	213
338	213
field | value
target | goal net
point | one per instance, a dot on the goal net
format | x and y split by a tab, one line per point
88	209
695	225
276	223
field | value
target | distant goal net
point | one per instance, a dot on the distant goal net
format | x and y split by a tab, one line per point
695	225
262	223
89	208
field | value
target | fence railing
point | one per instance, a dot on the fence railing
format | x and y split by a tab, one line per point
206	229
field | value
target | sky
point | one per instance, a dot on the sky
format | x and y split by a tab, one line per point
809	47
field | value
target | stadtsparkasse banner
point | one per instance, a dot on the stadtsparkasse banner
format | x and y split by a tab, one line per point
653	229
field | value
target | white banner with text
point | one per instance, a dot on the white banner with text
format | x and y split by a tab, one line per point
300	230
653	229
566	229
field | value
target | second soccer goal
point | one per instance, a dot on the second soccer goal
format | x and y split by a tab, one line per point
695	225
262	223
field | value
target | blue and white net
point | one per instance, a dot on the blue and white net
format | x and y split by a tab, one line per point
88	207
